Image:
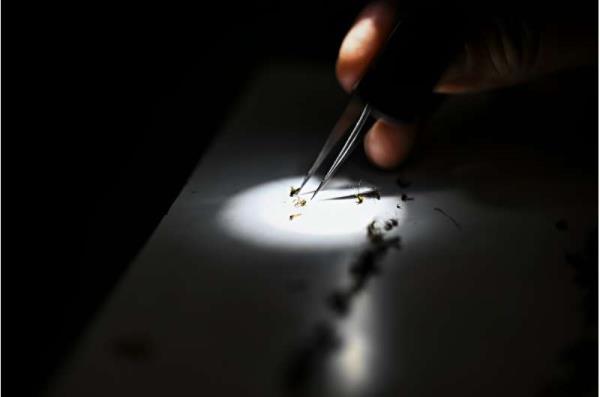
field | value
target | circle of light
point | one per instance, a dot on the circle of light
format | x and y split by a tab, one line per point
261	215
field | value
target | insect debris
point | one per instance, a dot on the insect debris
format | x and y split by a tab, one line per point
294	191
299	202
441	211
375	232
405	197
339	301
360	197
390	224
294	216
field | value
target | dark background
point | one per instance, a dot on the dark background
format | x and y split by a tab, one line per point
110	107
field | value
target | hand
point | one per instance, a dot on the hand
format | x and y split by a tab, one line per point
506	52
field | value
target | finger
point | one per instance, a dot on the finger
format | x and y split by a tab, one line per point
511	51
363	41
387	145
497	57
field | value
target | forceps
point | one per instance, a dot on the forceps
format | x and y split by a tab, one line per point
400	83
355	115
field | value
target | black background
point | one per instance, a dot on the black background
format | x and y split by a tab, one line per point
103	102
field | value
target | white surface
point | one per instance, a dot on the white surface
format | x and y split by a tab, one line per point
481	311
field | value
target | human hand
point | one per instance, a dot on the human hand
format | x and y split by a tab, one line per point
506	52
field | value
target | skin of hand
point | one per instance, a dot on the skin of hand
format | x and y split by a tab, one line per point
505	53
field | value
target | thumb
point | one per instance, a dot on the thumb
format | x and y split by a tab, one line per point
509	51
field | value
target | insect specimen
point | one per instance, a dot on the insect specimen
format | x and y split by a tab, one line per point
390	224
299	202
374	232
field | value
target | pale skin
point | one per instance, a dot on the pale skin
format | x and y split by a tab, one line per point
495	59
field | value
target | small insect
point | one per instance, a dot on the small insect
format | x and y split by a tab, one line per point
294	191
359	197
405	197
299	202
390	224
340	302
294	216
398	206
374	232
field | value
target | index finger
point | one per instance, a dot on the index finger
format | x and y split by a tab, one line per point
363	41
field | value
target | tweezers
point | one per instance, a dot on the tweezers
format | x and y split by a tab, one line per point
355	115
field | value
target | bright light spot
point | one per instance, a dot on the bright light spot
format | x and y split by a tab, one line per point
261	214
353	360
355	364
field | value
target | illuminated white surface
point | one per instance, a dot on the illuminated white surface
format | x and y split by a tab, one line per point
261	215
354	363
454	312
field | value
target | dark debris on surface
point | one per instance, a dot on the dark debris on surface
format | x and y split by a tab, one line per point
404	197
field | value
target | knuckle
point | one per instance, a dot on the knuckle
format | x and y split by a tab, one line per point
515	47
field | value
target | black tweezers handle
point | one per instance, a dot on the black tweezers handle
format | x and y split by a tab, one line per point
399	83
